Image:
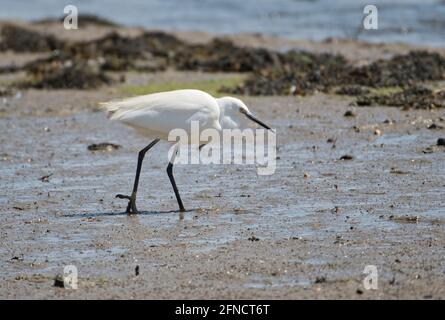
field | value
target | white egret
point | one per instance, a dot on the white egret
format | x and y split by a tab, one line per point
155	115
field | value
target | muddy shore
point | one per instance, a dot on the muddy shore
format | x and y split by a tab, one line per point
308	231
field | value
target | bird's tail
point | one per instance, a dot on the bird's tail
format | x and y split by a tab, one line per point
109	107
113	108
118	108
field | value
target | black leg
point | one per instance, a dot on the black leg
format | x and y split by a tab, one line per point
172	180
131	207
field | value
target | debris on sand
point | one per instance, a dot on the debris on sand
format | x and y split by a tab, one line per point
405	219
430	149
104	146
398	171
335	210
416	97
253	238
350	113
346	157
21	39
58	281
45	178
18	257
320	279
136	270
435	148
434	126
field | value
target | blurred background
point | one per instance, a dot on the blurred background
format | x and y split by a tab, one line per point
410	21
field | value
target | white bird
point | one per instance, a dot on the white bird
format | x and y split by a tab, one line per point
155	115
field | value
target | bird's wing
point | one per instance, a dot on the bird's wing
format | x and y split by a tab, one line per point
162	112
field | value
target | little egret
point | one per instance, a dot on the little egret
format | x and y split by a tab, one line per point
155	115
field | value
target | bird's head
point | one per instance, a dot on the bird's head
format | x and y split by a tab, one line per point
233	110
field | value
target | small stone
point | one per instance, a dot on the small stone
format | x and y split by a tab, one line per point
58	281
320	279
430	149
346	157
136	271
434	126
104	146
349	113
377	132
441	142
335	210
45	178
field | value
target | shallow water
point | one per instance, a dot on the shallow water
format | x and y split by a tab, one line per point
411	21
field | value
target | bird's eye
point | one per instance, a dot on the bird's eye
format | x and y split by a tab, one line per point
242	110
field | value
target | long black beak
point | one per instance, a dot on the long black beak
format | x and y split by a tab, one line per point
261	123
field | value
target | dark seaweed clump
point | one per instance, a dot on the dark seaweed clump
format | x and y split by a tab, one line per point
401	70
417	97
84	65
300	73
150	51
224	55
304	73
65	74
24	40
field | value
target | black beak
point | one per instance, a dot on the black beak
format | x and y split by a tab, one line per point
261	123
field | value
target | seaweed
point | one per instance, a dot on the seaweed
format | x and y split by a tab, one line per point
416	97
21	39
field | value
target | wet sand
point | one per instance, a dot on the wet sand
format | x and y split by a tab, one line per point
245	236
329	226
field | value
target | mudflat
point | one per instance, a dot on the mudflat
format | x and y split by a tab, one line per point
354	186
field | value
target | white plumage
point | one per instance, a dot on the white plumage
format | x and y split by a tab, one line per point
156	115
